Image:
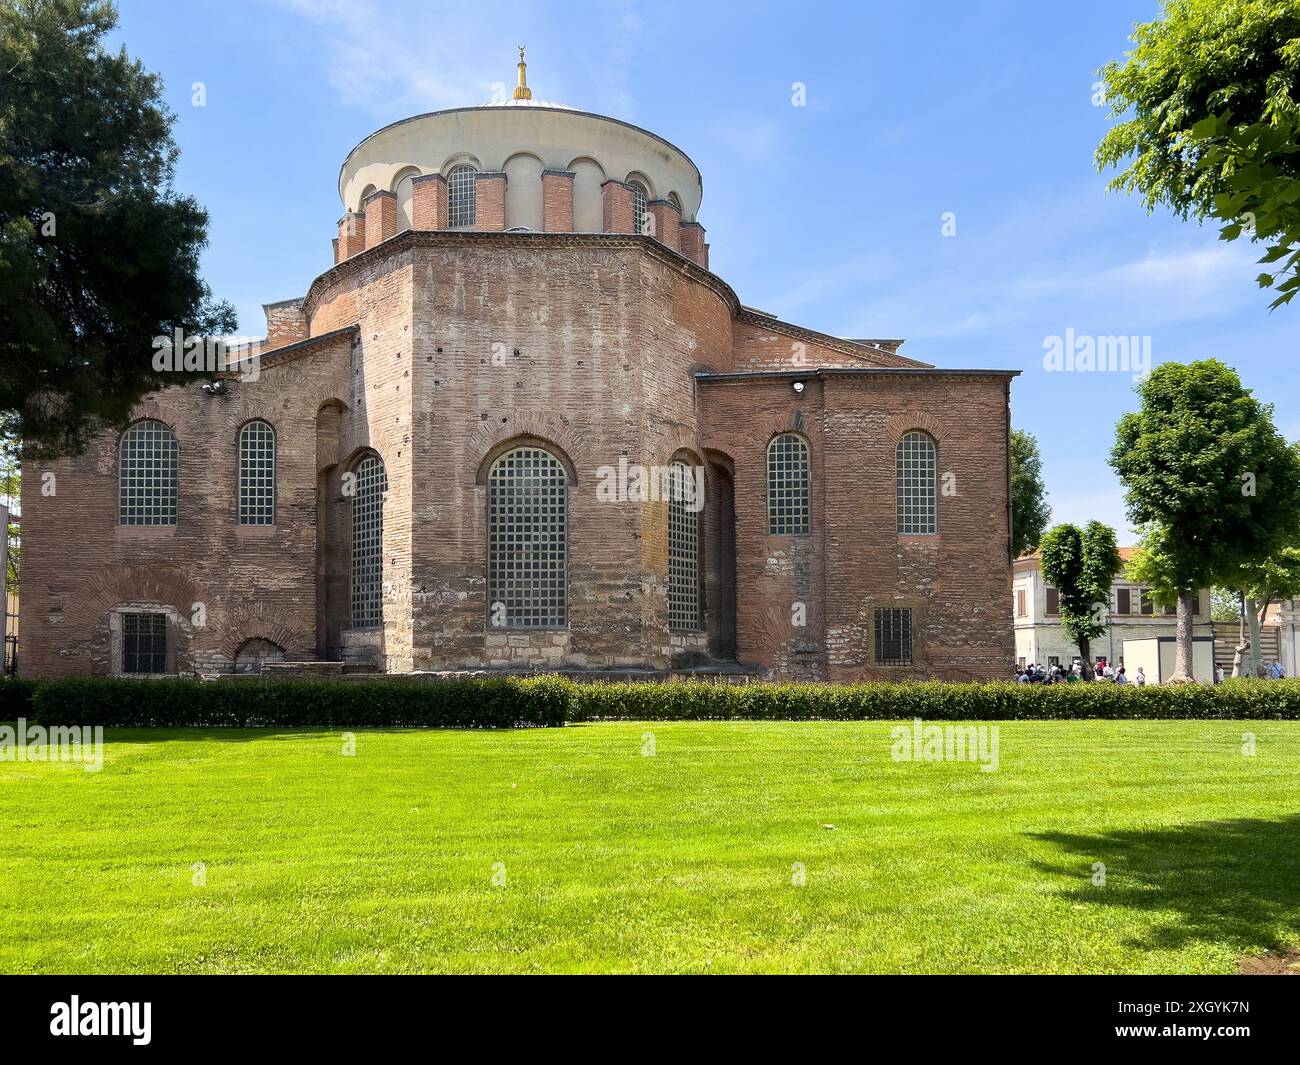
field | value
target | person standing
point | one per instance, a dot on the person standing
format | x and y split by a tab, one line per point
1141	678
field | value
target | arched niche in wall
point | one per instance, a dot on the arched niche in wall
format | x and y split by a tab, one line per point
588	204
402	189
524	191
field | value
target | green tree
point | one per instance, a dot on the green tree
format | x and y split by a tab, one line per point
1029	510
1210	102
1210	481
98	255
1225	604
1082	564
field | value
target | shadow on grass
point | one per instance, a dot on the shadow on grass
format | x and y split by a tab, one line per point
1234	883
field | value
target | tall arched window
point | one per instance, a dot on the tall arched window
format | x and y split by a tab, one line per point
371	482
257	474
528	537
683	549
789	485
915	471
639	197
460	196
147	475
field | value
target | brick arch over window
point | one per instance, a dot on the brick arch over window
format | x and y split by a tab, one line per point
569	446
528	537
916	466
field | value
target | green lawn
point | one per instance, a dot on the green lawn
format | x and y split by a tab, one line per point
682	861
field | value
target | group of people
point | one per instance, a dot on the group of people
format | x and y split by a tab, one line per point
1103	671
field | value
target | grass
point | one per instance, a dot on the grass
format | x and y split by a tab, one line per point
617	861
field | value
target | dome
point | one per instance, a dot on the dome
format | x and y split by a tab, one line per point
529	102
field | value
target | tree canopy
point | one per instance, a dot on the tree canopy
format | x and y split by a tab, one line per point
98	254
1082	564
1030	511
1209	99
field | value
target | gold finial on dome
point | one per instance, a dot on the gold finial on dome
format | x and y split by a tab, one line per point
522	91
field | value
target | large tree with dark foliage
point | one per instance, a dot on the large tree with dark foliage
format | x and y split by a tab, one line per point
98	254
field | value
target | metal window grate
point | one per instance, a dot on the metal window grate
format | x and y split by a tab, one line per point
460	196
144	643
789	485
147	475
528	540
257	474
638	207
915	467
368	544
683	551
894	636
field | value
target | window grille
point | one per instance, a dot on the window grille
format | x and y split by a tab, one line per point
894	636
368	544
638	206
460	196
528	540
257	474
147	475
144	643
683	551
915	468
789	485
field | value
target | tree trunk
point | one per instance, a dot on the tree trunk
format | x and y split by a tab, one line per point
1085	659
1253	655
1183	669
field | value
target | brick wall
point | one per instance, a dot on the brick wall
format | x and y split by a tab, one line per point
557	201
464	344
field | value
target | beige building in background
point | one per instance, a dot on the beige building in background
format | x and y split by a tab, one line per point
1133	615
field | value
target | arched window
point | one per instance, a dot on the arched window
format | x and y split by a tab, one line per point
639	197
528	538
915	470
257	474
460	196
147	479
789	485
684	507
368	543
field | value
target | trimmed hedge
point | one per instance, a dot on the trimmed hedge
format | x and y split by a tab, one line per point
489	703
550	700
933	701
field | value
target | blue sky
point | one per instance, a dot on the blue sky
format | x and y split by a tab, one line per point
830	215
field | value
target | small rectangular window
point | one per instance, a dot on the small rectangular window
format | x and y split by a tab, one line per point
1021	610
1144	598
1123	601
1053	602
894	636
144	643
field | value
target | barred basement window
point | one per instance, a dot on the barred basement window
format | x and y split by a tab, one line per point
639	198
528	534
368	544
894	636
257	474
144	643
683	552
147	488
915	468
460	196
789	485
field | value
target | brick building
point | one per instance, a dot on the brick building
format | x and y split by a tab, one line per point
518	423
